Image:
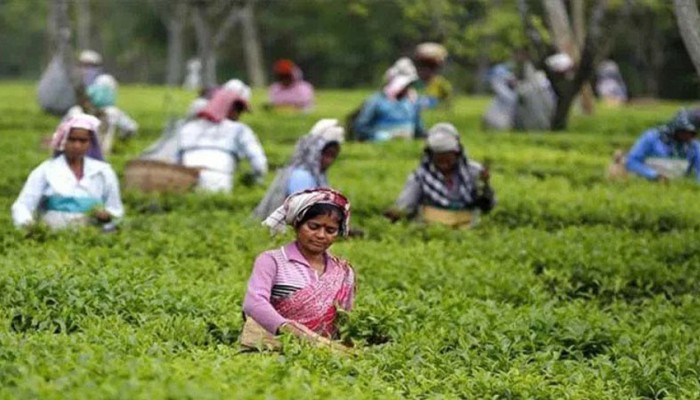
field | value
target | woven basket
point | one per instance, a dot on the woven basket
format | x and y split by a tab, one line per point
152	176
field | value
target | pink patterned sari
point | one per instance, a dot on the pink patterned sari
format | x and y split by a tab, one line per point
315	306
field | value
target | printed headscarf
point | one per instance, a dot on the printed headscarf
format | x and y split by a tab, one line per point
681	122
297	204
443	137
82	121
103	91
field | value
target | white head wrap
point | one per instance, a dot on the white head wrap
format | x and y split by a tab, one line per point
240	88
107	81
90	57
402	66
397	84
443	137
330	129
560	62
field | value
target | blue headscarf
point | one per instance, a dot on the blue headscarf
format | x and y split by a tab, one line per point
681	122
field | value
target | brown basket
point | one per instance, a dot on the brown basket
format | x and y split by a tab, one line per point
152	176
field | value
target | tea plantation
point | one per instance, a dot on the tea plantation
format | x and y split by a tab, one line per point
573	288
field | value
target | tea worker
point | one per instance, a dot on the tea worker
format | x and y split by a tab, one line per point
101	101
390	113
433	88
290	90
501	112
299	287
74	187
667	152
447	187
609	83
90	66
315	152
216	140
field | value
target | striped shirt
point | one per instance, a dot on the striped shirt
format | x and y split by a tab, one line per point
278	276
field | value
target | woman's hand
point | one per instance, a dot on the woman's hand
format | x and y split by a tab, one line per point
102	215
392	215
301	331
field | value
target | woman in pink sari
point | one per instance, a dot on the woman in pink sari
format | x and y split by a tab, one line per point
299	287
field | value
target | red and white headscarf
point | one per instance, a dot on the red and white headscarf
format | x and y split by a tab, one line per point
221	102
78	121
297	204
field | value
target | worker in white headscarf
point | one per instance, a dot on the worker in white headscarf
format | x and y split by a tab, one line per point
314	153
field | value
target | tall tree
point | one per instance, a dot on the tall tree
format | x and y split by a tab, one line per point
689	26
84	24
251	46
566	86
173	15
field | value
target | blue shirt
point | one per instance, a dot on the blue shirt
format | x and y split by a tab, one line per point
382	114
300	179
651	145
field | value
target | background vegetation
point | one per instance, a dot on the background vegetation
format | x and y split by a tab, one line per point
347	44
573	288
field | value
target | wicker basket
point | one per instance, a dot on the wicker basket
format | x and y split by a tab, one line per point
152	176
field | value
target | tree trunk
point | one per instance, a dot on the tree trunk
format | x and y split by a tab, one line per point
252	47
205	47
84	23
176	27
566	42
688	24
61	35
578	12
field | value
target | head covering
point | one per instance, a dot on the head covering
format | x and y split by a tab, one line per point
397	84
443	137
223	99
330	129
694	116
297	204
681	122
608	69
432	181
500	71
560	62
431	51
90	57
284	67
402	66
240	88
103	91
81	121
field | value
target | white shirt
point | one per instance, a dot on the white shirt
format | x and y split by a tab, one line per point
55	178
217	147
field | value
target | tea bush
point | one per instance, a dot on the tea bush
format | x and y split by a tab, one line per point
574	287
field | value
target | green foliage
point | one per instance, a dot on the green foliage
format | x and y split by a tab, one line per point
573	287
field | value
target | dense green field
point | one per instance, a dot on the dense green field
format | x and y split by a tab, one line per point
572	288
